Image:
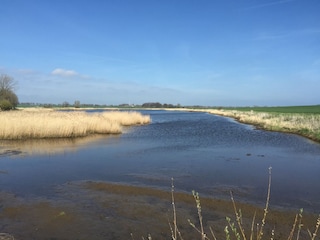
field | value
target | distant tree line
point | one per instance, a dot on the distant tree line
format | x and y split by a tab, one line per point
77	104
159	105
8	99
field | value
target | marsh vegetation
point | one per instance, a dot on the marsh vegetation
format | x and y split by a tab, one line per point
26	124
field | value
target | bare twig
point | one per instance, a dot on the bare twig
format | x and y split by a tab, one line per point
252	225
173	232
197	199
263	221
293	228
238	217
314	234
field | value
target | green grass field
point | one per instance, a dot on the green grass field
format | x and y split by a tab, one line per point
312	109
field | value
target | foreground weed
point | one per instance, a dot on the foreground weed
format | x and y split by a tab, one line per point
314	234
174	230
236	230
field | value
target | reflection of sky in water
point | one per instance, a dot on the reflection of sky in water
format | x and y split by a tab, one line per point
210	154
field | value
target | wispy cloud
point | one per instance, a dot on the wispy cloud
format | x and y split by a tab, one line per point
64	73
287	34
262	5
272	36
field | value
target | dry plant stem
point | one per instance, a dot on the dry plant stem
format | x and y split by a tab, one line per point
300	224
238	217
272	234
174	232
263	222
197	199
201	230
293	228
226	230
252	225
314	234
214	237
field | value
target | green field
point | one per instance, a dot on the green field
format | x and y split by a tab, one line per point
313	109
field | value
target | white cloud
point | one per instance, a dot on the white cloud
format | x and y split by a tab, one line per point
64	72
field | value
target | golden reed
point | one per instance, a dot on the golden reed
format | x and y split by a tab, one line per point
58	124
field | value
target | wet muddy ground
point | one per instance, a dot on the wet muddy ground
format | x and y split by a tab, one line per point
100	210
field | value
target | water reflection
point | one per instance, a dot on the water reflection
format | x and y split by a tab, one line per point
48	146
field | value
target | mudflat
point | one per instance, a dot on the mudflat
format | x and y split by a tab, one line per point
102	210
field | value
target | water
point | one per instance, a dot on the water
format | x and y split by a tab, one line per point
210	154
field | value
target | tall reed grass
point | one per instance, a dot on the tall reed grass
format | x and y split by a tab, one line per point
58	124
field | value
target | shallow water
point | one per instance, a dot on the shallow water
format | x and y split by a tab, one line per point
210	154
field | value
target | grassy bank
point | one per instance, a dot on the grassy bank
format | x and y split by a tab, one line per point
32	123
304	121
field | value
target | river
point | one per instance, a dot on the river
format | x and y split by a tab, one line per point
210	154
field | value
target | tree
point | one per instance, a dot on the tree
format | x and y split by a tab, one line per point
7	86
65	104
77	104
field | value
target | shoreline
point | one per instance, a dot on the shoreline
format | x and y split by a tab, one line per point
94	208
251	118
260	125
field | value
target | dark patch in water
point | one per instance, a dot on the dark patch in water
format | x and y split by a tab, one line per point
10	153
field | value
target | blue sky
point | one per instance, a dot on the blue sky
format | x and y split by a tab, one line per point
188	52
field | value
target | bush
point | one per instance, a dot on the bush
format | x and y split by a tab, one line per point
7	85
5	105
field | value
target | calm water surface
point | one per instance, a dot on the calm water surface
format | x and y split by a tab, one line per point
207	153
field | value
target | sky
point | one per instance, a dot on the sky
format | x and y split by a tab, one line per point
187	52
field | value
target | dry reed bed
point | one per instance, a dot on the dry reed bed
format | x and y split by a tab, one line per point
305	124
58	124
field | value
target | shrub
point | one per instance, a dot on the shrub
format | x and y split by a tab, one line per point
5	105
7	86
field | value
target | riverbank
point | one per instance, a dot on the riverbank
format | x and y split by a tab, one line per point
46	123
102	210
307	125
303	124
